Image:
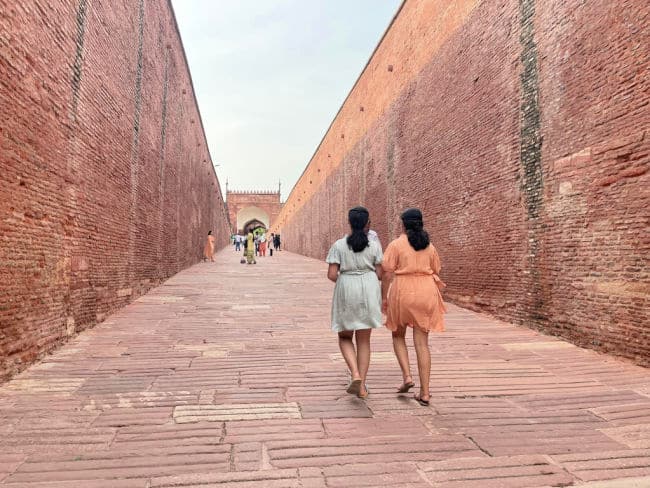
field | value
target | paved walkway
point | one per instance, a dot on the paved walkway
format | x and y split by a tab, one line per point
228	375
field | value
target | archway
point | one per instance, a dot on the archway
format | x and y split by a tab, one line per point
252	214
253	225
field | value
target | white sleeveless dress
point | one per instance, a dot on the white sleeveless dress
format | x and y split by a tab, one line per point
356	304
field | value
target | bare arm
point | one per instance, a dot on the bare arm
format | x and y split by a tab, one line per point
379	271
333	272
386	280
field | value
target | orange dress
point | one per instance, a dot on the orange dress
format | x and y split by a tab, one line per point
414	297
208	250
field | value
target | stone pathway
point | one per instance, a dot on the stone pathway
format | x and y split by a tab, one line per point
228	375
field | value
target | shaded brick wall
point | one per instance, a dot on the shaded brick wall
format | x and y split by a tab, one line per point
106	183
523	136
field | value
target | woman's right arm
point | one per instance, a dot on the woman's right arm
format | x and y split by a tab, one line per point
333	272
387	277
388	266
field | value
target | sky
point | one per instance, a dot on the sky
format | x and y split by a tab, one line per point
270	75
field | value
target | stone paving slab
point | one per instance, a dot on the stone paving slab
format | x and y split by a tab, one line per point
227	375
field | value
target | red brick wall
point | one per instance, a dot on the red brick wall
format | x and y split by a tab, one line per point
106	183
524	138
238	200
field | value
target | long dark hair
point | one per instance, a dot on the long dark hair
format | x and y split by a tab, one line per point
414	227
358	218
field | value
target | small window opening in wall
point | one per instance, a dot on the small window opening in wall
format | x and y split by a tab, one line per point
342	136
361	108
390	67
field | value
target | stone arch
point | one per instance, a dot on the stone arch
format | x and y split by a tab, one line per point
251	225
249	214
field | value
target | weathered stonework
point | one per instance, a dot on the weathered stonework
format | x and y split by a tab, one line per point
106	183
520	128
244	206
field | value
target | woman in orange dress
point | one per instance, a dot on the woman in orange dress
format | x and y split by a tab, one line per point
208	250
411	298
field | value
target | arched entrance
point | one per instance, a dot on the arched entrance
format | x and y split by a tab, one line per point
253	225
248	216
244	206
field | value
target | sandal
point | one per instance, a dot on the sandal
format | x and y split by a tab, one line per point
363	397
406	387
354	387
424	403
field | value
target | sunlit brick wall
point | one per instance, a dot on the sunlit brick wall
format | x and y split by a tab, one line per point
521	130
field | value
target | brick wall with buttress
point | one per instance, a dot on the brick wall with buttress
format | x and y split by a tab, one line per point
521	128
106	183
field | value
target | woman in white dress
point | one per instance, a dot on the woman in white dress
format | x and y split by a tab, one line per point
356	307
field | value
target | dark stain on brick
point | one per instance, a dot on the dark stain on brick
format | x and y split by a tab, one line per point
77	67
161	166
136	141
391	207
163	125
532	184
138	78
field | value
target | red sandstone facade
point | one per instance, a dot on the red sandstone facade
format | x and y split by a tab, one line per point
244	206
106	183
521	130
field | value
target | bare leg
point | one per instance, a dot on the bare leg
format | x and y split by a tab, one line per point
363	357
349	354
421	341
402	353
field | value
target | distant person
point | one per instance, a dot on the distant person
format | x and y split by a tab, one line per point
277	242
208	250
238	240
354	265
250	249
411	298
262	245
270	242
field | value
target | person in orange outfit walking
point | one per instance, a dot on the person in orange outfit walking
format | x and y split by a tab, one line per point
411	298
208	250
262	246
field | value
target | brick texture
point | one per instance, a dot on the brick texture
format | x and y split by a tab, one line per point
106	183
243	206
520	128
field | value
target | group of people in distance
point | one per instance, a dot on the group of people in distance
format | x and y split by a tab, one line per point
403	282
261	241
255	244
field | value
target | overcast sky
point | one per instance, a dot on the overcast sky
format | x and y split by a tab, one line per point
270	75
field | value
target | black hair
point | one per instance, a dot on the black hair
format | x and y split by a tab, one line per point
414	227
358	218
209	232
